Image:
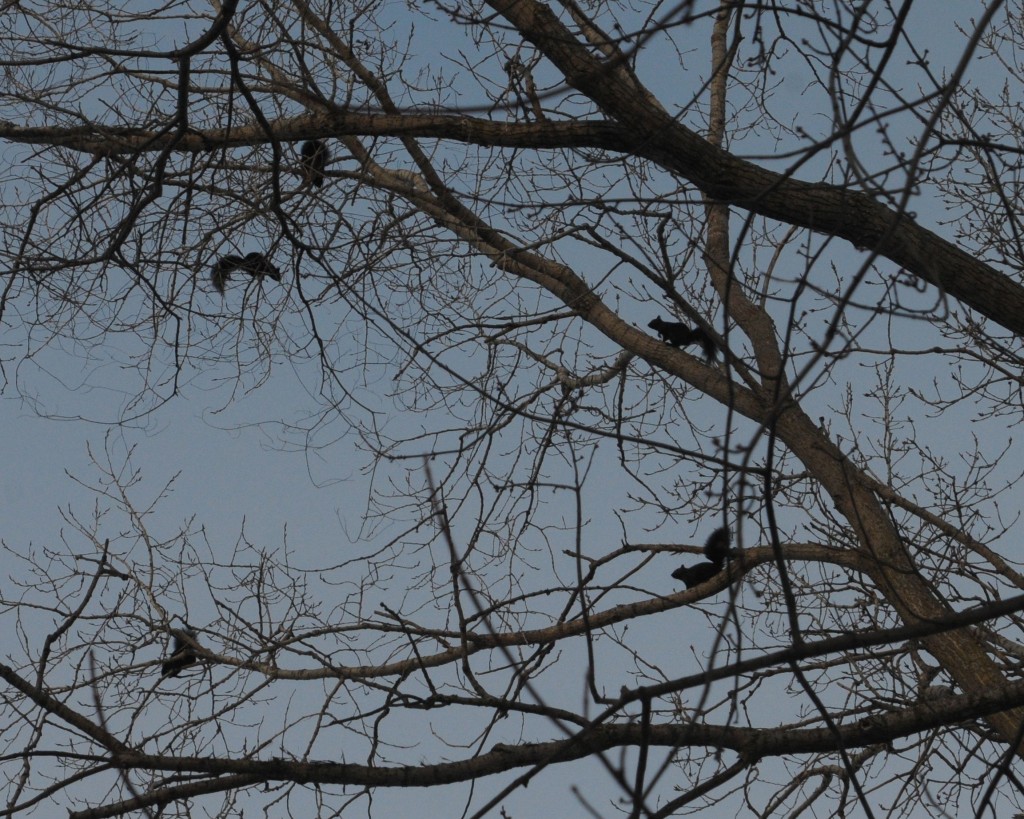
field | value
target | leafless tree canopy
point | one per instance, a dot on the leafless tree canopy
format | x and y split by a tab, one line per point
576	284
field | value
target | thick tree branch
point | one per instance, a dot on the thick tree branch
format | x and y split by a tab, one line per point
654	135
751	743
824	208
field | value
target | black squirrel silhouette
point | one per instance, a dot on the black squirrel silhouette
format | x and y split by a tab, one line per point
255	264
680	335
314	160
716	550
695	575
182	656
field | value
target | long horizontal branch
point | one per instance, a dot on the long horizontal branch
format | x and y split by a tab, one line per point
550	634
750	743
825	208
103	140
